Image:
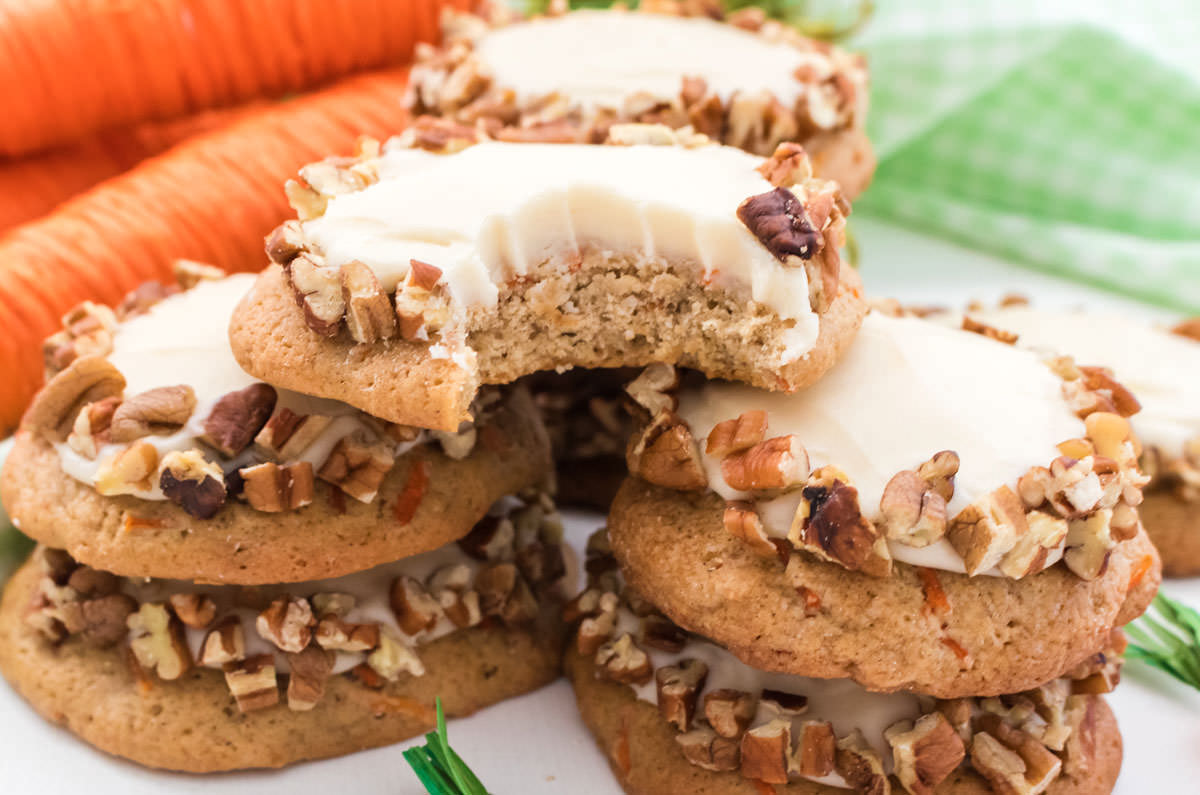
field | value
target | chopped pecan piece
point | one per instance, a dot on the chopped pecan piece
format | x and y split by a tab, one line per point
665	454
287	622
196	485
87	331
154	412
503	592
597	628
924	753
393	657
659	632
369	313
654	389
733	436
787	166
415	610
318	293
338	635
991	332
622	661
88	379
358	465
1028	556
100	620
705	749
830	524
91	427
772	465
238	417
766	751
1089	544
189	273
306	679
678	687
252	682
939	472
195	610
983	532
491	539
272	488
912	513
782	703
225	643
1017	764
422	306
856	761
816	749
742	521
729	712
286	242
157	642
778	220
129	471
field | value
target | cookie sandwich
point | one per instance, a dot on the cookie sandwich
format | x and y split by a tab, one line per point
1159	366
414	276
151	453
938	514
739	78
200	678
674	712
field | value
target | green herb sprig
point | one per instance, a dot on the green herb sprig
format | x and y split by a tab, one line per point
1168	638
440	769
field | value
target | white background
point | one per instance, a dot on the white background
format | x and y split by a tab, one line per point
536	744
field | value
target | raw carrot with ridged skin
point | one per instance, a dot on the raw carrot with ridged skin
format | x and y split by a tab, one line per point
211	198
32	186
72	68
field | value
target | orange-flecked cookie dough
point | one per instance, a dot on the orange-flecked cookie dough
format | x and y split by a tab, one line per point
413	276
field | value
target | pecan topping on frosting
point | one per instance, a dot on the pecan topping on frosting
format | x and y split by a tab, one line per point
777	218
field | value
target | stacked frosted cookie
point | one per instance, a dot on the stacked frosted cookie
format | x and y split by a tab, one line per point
910	575
1159	366
741	78
226	565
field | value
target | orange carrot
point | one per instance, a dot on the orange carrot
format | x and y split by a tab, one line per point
212	198
75	67
32	186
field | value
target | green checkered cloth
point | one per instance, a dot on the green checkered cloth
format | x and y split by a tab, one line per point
1067	149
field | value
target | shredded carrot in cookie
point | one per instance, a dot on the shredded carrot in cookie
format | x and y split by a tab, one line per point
959	650
935	596
620	749
132	524
397	705
414	491
1140	569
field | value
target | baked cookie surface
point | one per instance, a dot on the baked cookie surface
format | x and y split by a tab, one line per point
929	631
193	724
646	759
745	80
598	261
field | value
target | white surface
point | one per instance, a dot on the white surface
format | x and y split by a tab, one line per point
536	744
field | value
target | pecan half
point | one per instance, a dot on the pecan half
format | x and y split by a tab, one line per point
88	379
163	410
238	417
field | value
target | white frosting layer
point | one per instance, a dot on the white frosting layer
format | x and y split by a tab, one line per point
489	214
370	589
906	389
598	58
842	702
184	339
1162	369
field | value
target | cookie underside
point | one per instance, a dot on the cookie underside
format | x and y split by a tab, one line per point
243	546
193	724
881	632
641	749
613	311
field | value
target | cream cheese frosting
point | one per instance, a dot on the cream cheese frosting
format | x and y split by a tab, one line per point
1160	368
597	59
184	339
490	214
842	702
906	389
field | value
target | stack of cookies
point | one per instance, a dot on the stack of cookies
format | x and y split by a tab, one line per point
909	574
225	565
